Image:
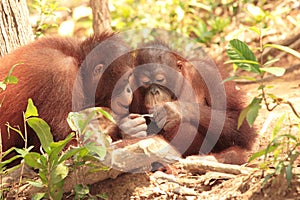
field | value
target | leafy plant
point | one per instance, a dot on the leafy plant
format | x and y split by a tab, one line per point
280	144
46	11
191	18
51	166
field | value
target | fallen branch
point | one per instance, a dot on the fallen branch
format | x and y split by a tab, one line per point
205	165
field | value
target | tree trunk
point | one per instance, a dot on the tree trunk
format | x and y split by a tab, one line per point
15	29
101	16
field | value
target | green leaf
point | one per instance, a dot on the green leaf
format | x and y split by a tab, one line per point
278	126
242	61
100	151
36	183
106	114
283	48
248	78
267	178
264	152
23	152
32	159
270	148
42	129
7	161
59	173
242	116
257	154
277	71
81	190
57	147
31	110
238	50
253	110
16	130
272	96
11	80
255	30
289	136
289	173
271	61
56	190
79	121
38	196
69	154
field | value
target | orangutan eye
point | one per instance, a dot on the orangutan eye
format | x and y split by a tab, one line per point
160	78
145	80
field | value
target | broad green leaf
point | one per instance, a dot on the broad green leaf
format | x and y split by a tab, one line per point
289	173
38	196
253	110
283	48
43	173
56	190
59	173
31	110
277	71
42	129
238	50
242	116
11	80
278	126
79	189
32	159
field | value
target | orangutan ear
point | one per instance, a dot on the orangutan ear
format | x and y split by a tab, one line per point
179	64
98	70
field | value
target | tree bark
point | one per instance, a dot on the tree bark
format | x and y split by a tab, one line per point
15	29
101	16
